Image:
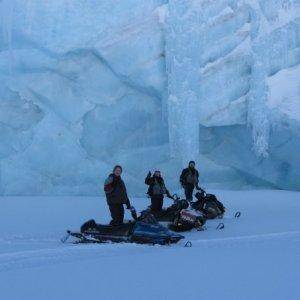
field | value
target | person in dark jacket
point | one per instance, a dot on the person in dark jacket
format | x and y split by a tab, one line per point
156	190
116	196
189	180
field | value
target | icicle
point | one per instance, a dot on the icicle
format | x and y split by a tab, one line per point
181	58
258	118
257	108
6	15
6	20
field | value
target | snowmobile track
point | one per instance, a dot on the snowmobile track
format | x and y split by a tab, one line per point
69	253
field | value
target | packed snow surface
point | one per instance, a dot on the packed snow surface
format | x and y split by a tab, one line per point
148	84
254	257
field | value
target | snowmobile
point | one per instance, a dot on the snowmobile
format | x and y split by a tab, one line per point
141	230
178	216
209	205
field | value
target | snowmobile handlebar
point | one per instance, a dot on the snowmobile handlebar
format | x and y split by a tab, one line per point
133	213
201	190
175	197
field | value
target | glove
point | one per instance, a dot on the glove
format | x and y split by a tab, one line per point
175	197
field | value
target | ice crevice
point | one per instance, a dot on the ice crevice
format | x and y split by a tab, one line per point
124	79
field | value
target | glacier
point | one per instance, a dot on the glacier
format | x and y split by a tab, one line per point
148	84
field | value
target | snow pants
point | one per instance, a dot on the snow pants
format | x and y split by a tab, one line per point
157	202
117	213
188	190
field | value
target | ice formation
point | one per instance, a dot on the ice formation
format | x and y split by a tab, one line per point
148	84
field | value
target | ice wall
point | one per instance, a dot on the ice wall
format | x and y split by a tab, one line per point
81	90
148	84
238	49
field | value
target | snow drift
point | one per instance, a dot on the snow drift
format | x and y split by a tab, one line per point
148	84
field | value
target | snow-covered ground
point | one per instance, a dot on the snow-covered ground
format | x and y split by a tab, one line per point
254	257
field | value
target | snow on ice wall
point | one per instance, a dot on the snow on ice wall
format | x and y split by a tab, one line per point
148	84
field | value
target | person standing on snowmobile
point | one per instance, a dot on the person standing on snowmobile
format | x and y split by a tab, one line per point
116	196
189	180
156	190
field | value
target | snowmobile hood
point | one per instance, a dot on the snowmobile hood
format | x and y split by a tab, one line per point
154	232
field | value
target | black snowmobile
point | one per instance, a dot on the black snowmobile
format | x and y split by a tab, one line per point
142	230
178	216
209	205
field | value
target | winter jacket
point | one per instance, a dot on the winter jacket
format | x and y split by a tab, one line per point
156	186
115	190
189	177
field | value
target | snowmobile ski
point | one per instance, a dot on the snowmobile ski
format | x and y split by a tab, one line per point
84	238
220	226
237	214
188	244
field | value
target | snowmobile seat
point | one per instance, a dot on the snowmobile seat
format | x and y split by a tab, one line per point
124	229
